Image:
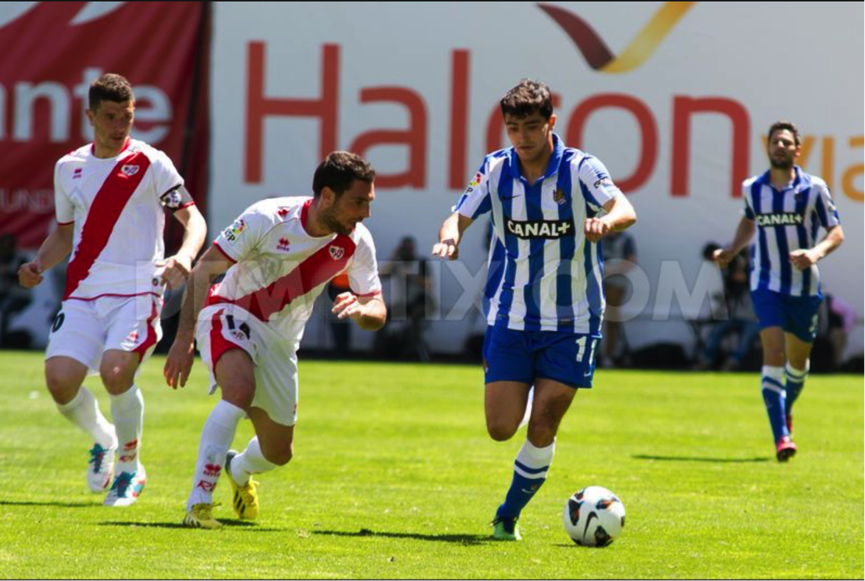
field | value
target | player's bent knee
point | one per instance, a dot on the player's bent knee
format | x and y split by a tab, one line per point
501	431
280	456
541	436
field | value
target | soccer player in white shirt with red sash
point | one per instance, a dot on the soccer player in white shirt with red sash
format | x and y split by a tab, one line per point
110	202
277	257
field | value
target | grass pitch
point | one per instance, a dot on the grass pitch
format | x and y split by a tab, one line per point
395	477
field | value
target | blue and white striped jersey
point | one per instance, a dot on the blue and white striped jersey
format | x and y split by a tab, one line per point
786	220
543	274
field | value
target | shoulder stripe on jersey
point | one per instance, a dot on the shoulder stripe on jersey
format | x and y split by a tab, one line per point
104	212
315	270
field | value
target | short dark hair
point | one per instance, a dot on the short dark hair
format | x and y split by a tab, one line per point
789	126
338	172
109	87
526	98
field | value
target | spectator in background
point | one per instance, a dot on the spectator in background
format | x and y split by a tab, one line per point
734	315
836	321
341	328
620	256
410	290
13	297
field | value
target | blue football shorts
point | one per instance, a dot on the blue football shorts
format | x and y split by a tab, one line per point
796	315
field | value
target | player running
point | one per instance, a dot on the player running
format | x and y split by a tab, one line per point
544	299
110	198
279	255
785	207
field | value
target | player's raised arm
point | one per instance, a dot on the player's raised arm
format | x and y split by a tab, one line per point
450	234
179	362
56	247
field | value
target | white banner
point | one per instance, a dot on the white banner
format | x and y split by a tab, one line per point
675	98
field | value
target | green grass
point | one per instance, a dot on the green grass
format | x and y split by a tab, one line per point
400	452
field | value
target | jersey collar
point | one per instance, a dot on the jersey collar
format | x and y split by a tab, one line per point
552	164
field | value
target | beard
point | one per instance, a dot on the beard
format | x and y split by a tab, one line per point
784	164
333	224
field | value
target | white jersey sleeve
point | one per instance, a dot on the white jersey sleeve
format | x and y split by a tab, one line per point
363	270
748	210
598	185
63	209
166	177
243	237
475	201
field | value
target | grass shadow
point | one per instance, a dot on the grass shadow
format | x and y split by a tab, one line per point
699	459
51	503
228	523
466	540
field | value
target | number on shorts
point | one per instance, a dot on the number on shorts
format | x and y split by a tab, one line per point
58	322
581	343
243	327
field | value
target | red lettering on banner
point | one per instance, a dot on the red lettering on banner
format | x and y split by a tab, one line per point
459	119
415	137
683	109
648	133
259	107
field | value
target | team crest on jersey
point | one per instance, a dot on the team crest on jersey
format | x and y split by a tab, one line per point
336	252
129	170
559	196
173	200
283	245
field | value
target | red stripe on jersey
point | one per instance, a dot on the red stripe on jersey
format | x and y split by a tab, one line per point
102	216
150	341
65	223
367	295
316	270
219	345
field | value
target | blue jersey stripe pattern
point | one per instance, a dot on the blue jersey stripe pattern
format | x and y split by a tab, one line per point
787	220
543	275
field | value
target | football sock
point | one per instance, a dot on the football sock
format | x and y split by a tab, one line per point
216	438
530	472
127	409
795	382
774	397
250	461
83	411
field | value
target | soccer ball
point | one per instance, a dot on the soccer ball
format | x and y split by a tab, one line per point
594	516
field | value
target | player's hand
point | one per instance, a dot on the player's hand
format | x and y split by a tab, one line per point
723	257
596	228
446	249
179	362
177	269
346	306
803	259
30	274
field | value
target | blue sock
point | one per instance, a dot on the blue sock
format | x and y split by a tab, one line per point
774	397
795	382
530	472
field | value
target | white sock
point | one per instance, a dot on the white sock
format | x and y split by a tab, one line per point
127	409
216	438
250	461
536	458
83	411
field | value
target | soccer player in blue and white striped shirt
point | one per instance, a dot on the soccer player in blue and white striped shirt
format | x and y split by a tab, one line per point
786	208
544	297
